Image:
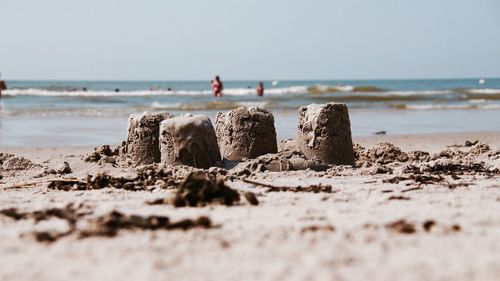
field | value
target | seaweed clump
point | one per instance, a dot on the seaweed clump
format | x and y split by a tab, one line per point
70	213
199	189
110	224
107	225
98	181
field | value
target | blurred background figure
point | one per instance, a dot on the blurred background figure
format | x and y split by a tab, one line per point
260	89
3	86
217	87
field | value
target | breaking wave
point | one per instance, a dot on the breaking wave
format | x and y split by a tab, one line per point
317	89
212	105
443	106
91	93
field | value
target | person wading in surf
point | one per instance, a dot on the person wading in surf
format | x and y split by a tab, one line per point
217	87
260	89
3	86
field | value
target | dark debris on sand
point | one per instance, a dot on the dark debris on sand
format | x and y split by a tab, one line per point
316	228
147	177
110	224
450	167
398	197
70	213
420	179
405	227
314	188
200	189
107	225
98	181
402	226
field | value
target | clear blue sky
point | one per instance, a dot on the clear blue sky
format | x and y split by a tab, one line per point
253	39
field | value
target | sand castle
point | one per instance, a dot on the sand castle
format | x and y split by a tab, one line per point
325	133
189	140
241	133
143	137
246	133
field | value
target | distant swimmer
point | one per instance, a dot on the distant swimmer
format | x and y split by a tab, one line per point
117	90
217	87
260	89
84	89
3	86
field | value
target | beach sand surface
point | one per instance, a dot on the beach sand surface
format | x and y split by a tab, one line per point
364	228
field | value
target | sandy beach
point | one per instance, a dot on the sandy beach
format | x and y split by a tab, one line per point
250	140
379	220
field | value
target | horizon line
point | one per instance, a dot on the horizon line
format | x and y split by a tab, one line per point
251	79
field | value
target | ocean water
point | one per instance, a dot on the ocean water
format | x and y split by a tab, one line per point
55	113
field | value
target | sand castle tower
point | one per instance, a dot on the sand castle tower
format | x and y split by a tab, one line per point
246	133
189	140
143	137
325	133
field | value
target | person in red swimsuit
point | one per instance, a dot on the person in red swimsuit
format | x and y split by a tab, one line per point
260	89
217	87
3	86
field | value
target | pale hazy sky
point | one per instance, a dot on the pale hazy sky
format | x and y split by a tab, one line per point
253	39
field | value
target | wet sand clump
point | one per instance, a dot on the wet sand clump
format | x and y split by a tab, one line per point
381	153
105	155
10	165
290	160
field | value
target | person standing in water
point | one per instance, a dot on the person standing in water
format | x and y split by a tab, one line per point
260	89
217	87
3	86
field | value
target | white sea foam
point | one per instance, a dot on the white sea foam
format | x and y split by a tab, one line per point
491	106
483	91
212	105
449	106
340	88
477	101
49	93
158	105
231	92
416	93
